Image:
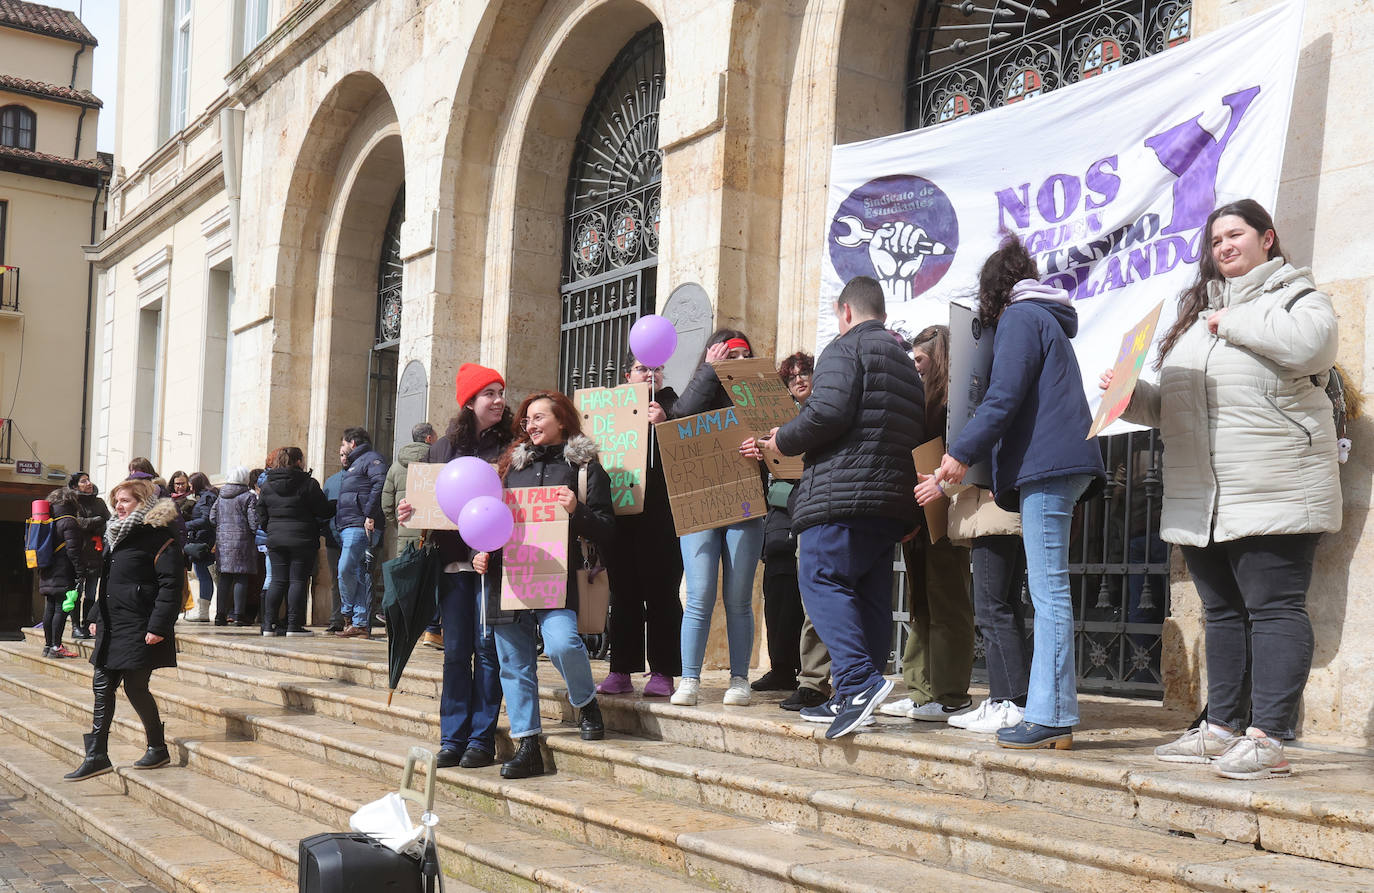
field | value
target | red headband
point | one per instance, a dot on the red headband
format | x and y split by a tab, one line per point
736	343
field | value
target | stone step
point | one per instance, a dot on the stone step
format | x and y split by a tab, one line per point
972	836
720	849
1325	811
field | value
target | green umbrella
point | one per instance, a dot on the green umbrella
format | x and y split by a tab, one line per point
411	592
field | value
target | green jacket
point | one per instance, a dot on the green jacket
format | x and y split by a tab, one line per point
394	490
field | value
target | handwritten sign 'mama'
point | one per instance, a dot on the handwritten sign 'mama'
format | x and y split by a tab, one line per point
709	483
618	420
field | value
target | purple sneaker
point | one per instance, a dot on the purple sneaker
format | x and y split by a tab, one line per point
616	684
658	686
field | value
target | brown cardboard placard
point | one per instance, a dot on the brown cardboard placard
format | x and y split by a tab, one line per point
763	403
709	483
618	420
927	457
420	478
534	564
1130	361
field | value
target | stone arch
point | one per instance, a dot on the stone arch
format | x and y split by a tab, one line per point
346	176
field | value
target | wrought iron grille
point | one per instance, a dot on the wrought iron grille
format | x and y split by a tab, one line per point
969	56
1118	572
390	274
613	216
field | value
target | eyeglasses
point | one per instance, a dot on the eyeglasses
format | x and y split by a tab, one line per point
796	375
642	370
538	418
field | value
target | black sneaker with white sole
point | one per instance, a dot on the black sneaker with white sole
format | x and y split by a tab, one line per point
858	707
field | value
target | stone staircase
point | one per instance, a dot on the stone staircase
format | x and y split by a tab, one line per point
277	739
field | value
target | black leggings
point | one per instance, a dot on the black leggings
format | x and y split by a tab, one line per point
105	684
232	596
54	619
291	571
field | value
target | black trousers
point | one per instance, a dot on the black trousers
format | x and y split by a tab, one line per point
646	573
1254	595
231	598
90	586
105	683
54	619
999	564
783	613
291	572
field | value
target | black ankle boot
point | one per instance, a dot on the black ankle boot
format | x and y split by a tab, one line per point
97	762
156	756
593	726
528	760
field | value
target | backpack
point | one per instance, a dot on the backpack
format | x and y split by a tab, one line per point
1335	391
41	543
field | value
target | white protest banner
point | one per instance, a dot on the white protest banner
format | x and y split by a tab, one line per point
1107	181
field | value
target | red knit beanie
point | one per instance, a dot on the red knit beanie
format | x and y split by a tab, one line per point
472	378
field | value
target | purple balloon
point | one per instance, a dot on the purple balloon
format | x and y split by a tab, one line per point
653	340
462	480
486	523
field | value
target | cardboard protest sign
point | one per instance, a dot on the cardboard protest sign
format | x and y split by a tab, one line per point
970	370
618	420
927	457
534	564
420	478
1130	361
709	483
762	403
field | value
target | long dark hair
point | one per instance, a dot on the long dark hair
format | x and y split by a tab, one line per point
1193	299
1005	267
563	410
462	430
719	336
933	341
200	482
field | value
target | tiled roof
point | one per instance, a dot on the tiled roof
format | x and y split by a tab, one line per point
100	164
86	97
44	20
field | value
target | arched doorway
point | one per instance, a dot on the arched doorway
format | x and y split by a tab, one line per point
967	58
384	358
613	212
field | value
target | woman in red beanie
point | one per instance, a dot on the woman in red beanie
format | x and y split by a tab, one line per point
471	695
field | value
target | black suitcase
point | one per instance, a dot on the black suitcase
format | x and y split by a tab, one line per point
355	863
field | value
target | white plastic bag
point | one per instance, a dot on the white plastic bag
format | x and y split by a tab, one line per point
387	822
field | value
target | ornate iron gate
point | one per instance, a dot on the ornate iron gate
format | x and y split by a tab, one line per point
385	355
613	217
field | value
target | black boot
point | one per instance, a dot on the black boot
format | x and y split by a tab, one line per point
528	760
156	756
593	726
97	762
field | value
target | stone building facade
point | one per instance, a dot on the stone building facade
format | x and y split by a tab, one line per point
351	150
51	200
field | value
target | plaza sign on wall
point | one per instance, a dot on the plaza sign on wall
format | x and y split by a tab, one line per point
1108	182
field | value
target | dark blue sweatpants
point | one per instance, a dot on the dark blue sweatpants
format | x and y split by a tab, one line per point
845	573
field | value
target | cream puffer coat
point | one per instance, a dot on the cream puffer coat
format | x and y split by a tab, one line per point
1249	440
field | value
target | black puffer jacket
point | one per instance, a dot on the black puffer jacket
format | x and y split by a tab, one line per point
291	506
857	430
360	495
199	529
140	593
594	518
704	392
67	566
91	519
491	443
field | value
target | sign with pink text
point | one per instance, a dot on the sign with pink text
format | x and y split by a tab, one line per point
534	564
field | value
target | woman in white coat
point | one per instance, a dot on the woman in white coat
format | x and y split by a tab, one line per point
1250	479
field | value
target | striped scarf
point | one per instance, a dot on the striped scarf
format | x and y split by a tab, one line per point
119	528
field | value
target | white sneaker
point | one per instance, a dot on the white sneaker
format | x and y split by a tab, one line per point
897	708
1001	715
737	695
962	720
934	711
686	694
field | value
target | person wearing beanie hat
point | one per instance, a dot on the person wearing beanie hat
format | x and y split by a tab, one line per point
470	699
473	378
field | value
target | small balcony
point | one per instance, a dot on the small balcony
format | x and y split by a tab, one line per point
9	291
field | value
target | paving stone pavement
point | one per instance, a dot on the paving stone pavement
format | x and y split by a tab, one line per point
40	855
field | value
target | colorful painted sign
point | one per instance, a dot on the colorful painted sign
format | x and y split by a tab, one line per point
709	483
420	478
618	420
762	403
534	564
1130	362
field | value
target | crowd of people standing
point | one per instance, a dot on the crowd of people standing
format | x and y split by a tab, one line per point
1250	483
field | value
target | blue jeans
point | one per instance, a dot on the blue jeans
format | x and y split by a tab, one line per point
470	699
519	664
203	577
845	573
736	549
355	585
1046	511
